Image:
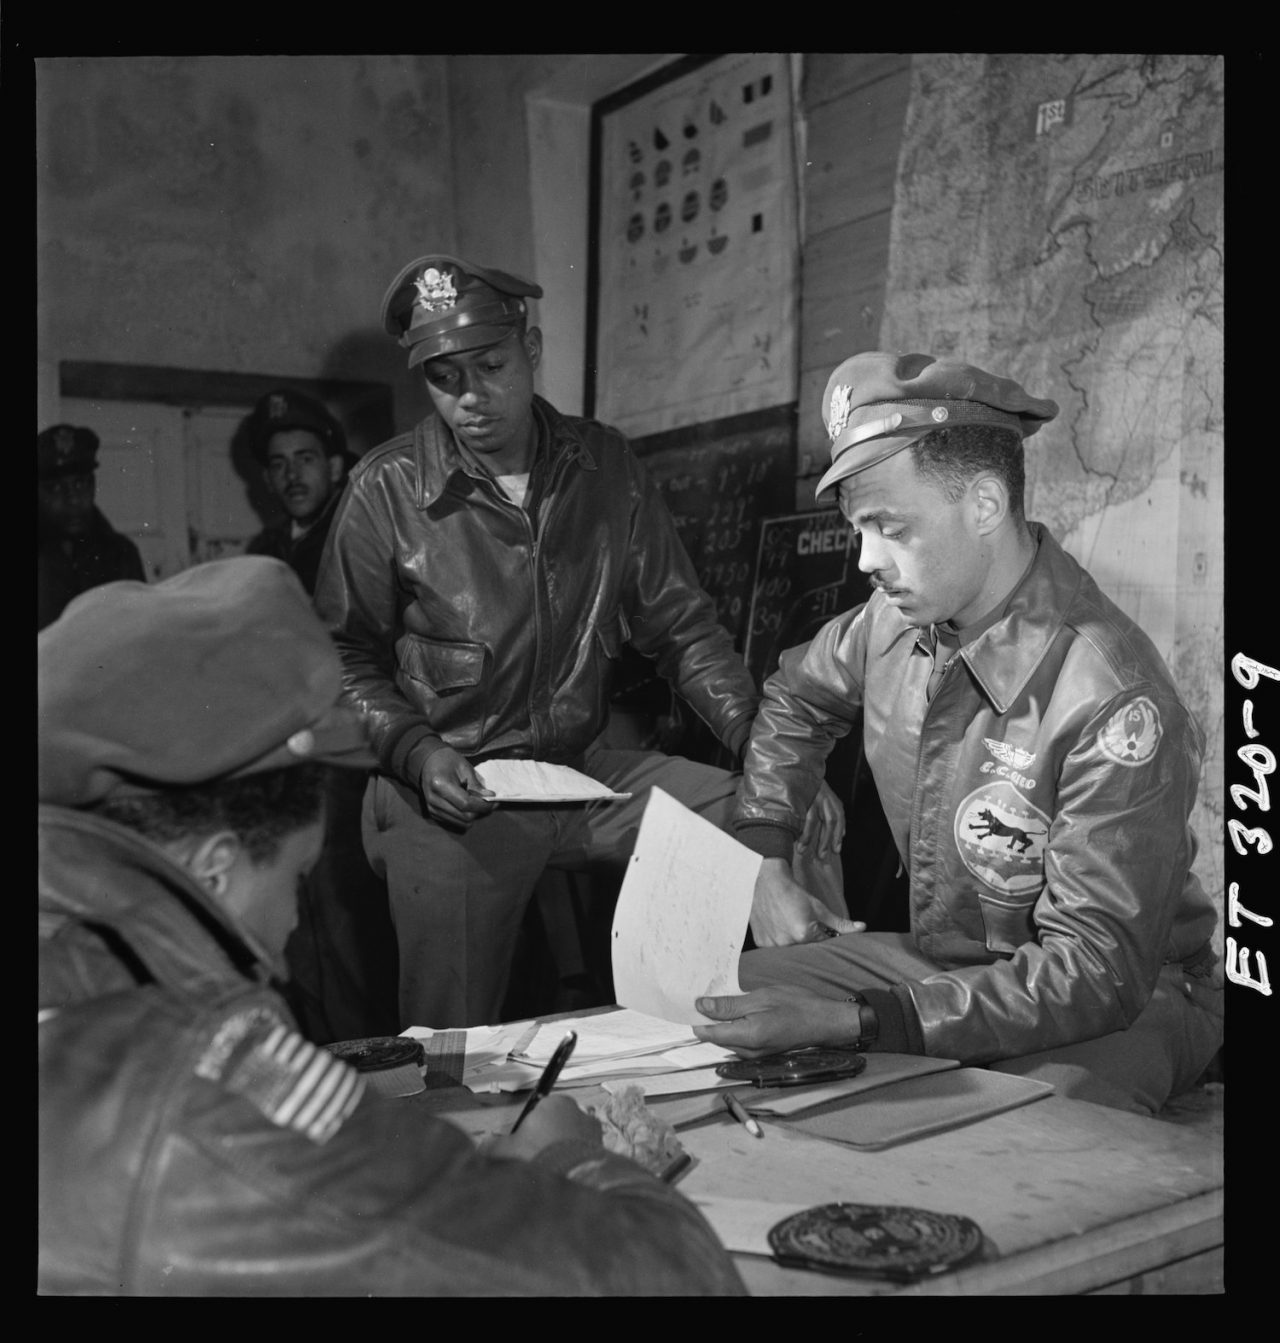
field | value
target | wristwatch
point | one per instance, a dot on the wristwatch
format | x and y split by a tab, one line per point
868	1022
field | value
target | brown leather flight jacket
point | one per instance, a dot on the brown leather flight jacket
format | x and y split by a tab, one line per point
1039	803
463	620
193	1144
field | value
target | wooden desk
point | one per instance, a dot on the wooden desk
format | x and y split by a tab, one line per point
1072	1197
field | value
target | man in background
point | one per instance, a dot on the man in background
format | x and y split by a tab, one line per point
76	548
192	1142
302	450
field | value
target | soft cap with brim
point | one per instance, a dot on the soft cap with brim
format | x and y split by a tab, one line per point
878	403
64	450
221	671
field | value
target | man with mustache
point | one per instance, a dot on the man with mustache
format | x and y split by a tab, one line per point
482	577
302	450
1036	765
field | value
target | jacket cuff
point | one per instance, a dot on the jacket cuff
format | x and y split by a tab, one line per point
410	753
738	735
767	839
900	1031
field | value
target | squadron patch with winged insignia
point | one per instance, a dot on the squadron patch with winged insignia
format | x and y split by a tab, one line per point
292	1082
1132	734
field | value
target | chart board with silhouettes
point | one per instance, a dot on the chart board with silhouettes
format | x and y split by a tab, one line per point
697	248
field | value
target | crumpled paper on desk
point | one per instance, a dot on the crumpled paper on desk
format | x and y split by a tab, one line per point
631	1129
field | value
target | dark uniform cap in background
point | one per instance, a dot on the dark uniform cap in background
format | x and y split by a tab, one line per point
64	450
285	408
221	671
878	403
441	305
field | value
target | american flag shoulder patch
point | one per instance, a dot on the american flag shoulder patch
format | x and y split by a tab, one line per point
294	1083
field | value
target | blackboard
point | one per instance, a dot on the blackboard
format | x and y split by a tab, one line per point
806	572
720	482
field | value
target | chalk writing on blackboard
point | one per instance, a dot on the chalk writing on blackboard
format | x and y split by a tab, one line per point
718	493
806	573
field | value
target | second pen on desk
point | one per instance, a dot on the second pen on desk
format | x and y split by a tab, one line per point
734	1106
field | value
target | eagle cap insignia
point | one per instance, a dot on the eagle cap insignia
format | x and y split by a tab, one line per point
1009	755
1132	734
64	443
838	411
436	290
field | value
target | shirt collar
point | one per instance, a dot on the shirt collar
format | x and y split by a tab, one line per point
1005	647
971	633
1004	654
438	457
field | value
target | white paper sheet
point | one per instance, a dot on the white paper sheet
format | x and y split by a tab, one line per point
743	1223
604	1037
487	1067
678	1083
682	913
540	781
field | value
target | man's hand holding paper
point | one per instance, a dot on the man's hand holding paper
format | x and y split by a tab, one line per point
682	913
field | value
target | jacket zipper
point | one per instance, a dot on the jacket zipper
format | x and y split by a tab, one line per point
549	498
915	783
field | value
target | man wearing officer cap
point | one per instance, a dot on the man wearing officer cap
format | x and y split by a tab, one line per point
302	450
482	575
77	548
1033	757
192	1141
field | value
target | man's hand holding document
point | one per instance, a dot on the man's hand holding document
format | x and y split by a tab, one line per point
682	915
678	931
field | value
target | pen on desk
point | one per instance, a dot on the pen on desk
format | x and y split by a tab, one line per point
549	1075
732	1104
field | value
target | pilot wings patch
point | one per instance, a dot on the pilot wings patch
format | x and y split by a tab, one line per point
1009	755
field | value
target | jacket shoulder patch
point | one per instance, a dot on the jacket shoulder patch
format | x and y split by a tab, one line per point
294	1083
1132	734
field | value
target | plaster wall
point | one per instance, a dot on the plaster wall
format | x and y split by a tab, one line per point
236	214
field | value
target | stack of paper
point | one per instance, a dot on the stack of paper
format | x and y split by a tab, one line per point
624	1043
611	1045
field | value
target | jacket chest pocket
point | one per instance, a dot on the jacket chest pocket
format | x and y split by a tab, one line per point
1007	924
446	680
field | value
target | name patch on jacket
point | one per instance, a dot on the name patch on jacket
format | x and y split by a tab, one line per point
1001	838
1132	733
290	1081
